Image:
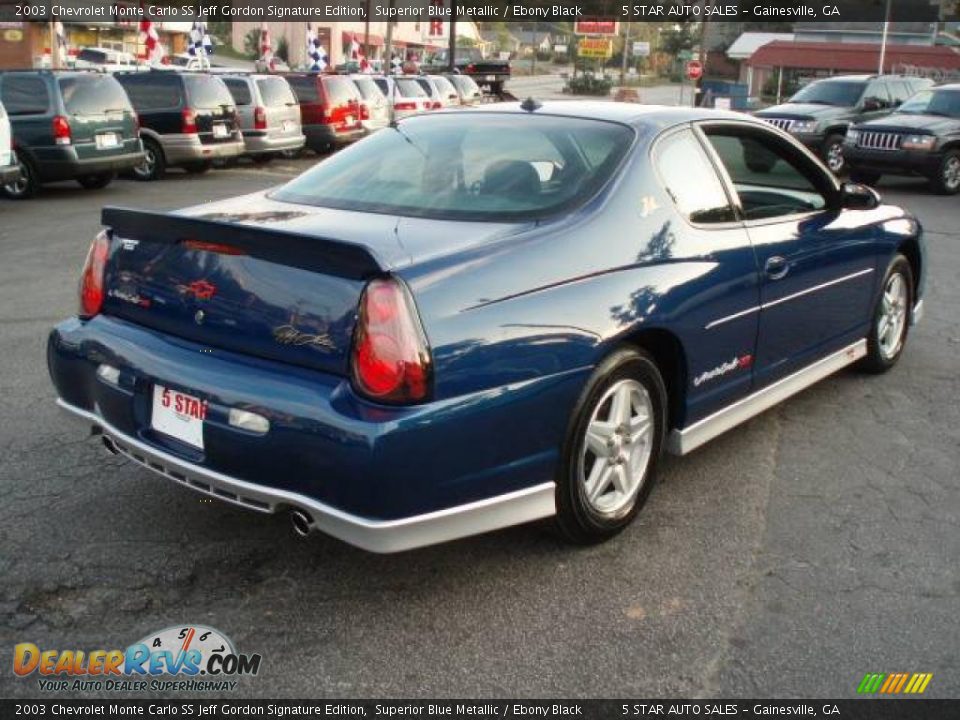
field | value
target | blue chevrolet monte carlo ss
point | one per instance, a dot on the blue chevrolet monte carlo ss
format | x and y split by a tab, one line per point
480	318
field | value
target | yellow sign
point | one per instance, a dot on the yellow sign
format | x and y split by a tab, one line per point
13	35
595	48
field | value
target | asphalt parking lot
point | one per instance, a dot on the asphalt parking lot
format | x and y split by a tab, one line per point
788	558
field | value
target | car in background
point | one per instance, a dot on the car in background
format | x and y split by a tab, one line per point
377	115
9	170
187	119
442	93
488	72
421	338
269	115
469	92
68	125
819	114
404	93
921	138
331	109
104	60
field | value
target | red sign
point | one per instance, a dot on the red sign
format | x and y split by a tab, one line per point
596	27
694	69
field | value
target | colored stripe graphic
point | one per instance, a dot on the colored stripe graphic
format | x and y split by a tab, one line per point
894	683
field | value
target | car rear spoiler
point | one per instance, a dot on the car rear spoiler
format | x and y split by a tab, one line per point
317	254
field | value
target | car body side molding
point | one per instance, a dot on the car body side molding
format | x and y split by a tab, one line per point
690	438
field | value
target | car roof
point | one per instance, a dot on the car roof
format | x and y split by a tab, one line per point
625	113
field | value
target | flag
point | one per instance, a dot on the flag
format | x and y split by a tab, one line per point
60	51
151	41
266	48
315	52
396	65
201	45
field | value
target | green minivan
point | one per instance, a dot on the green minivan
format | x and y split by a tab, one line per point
68	125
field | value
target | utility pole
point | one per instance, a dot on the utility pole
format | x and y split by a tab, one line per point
366	33
626	48
883	41
452	47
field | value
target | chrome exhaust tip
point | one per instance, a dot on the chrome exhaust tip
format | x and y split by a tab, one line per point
302	523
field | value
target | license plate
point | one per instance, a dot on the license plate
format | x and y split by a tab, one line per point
178	415
491	78
220	131
107	140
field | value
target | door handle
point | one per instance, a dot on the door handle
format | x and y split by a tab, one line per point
776	267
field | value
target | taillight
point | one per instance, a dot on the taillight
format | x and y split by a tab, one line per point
364	112
189	121
391	359
405	106
61	130
91	279
471	68
436	105
259	118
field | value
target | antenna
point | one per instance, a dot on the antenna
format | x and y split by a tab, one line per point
531	105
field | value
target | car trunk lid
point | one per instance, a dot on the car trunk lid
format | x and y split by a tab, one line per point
100	115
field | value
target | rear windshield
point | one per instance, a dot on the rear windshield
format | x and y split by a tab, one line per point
465	84
206	91
409	87
275	92
305	88
444	86
468	167
427	86
368	88
94	56
239	90
934	102
93	95
833	92
340	91
383	85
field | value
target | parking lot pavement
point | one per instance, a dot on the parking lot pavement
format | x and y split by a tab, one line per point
788	558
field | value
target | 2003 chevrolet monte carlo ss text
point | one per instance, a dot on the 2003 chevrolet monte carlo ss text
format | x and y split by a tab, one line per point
479	318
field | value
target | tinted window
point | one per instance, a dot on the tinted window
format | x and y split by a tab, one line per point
368	88
383	85
206	91
478	168
690	180
24	95
831	92
427	87
934	102
465	84
771	179
444	86
305	88
93	56
152	92
92	94
409	87
239	90
275	92
877	91
340	91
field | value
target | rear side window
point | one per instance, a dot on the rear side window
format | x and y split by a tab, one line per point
206	91
427	87
340	91
305	88
275	92
24	95
690	180
154	92
239	89
383	85
92	95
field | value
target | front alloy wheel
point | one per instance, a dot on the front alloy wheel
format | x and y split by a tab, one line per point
26	185
833	154
891	319
947	181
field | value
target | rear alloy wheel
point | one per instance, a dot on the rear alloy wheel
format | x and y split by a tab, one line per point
154	163
96	182
947	180
891	319
833	154
26	185
612	448
198	168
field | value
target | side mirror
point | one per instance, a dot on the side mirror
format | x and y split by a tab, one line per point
854	196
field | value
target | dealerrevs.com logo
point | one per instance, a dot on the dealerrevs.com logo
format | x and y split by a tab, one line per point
187	658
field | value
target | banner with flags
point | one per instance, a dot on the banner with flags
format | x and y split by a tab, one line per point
201	44
151	41
316	56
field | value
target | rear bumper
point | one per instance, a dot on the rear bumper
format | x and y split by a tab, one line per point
257	144
321	137
63	163
893	162
181	148
385	479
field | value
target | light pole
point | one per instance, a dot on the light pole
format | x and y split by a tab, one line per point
883	41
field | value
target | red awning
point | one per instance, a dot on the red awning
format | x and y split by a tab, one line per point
852	57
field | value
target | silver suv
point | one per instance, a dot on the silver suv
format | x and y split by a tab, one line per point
269	114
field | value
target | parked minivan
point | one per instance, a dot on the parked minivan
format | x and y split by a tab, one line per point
405	94
441	91
9	170
330	109
377	114
269	114
470	93
68	126
187	119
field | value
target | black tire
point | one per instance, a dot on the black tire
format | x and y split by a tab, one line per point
28	185
578	520
291	154
832	153
261	159
96	182
198	168
947	179
154	165
867	177
879	357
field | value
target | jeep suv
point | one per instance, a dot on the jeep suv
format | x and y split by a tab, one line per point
187	119
921	138
820	113
68	126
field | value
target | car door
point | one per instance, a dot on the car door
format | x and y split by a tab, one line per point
816	261
719	320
